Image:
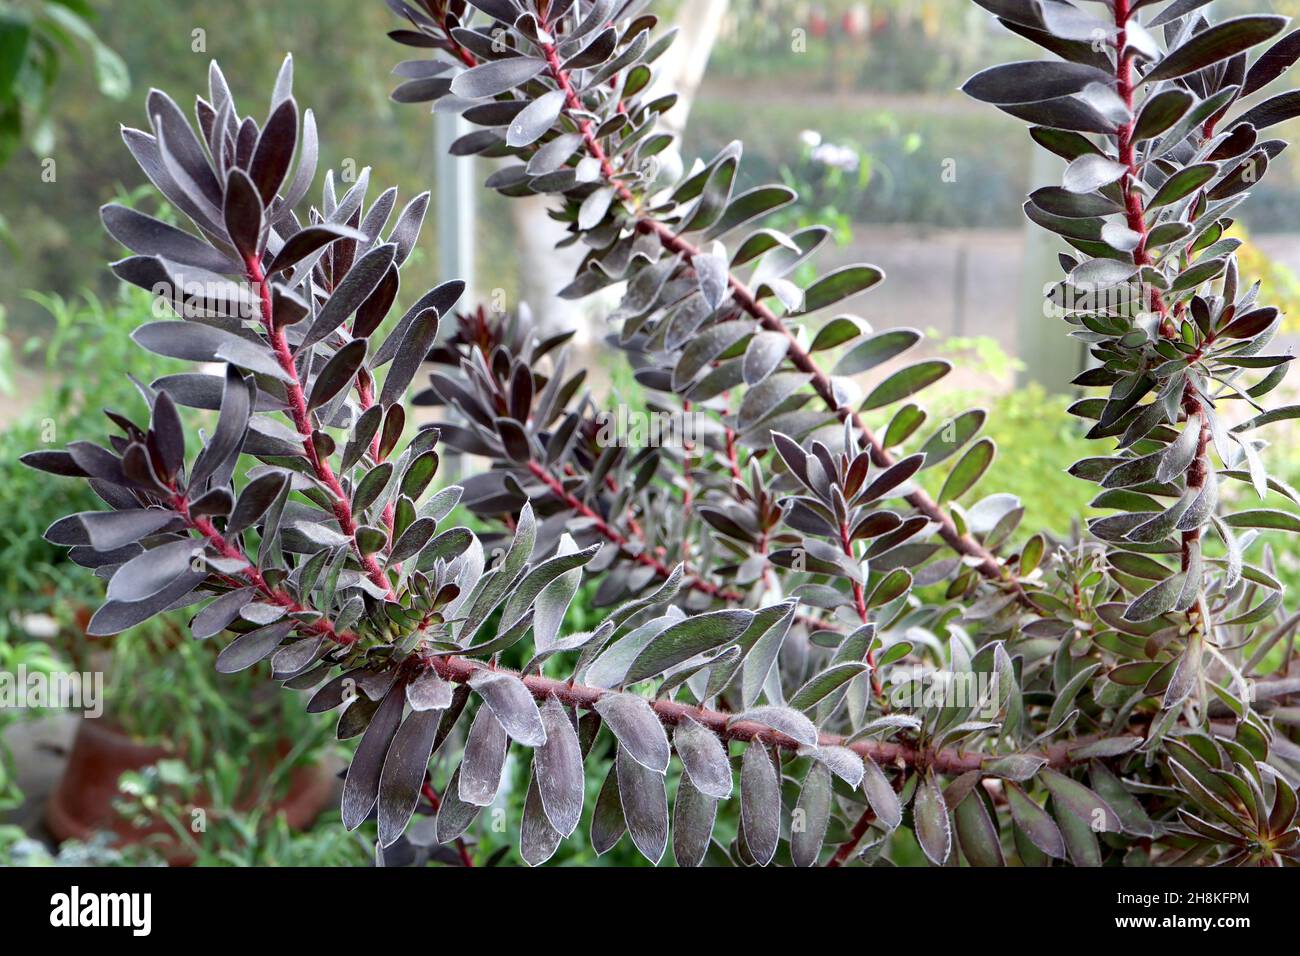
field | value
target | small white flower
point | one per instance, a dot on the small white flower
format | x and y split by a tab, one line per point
39	625
839	157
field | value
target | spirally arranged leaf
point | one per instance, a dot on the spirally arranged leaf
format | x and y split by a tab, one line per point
512	704
538	839
637	728
484	759
693	816
704	759
645	805
756	585
933	831
361	785
976	832
403	773
557	768
684	640
808	831
1217	43
760	803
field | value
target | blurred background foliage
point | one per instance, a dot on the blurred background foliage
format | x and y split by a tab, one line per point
853	103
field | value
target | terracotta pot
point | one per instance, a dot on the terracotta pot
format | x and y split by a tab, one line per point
82	803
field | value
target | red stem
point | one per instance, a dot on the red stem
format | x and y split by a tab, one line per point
302	421
855	837
860	602
963	543
688	493
733	460
322	626
947	761
1137	222
610	533
1134	213
432	796
643	557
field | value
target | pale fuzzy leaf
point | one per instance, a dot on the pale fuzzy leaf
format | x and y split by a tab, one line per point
760	803
880	795
693	816
705	758
645	805
484	759
812	814
538	840
512	704
637	728
788	721
557	766
933	830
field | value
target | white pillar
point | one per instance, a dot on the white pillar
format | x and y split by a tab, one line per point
455	207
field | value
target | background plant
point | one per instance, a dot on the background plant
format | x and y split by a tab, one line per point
772	584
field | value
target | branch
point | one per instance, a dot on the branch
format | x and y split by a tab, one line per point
204	527
431	795
949	761
642	556
855	837
964	544
302	421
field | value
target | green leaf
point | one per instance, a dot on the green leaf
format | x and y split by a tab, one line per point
1156	601
1274	110
1161	112
839	285
539	578
904	424
1217	43
1283	413
714	198
1080	802
1111	789
876	350
1035	823
814	806
837	331
977	832
750	205
905	382
951	436
419	473
1182	183
1263	518
14	34
930	815
685	639
760	803
822	685
880	795
969	470
1014	766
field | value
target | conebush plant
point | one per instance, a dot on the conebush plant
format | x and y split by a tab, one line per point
811	651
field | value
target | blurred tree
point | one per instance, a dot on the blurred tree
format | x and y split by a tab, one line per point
543	269
35	35
52	210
